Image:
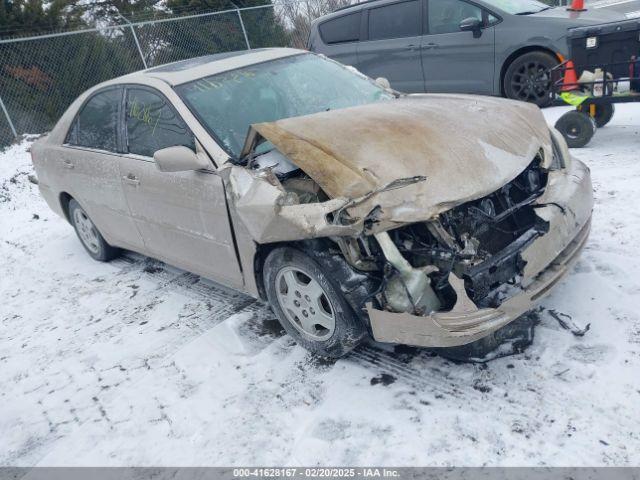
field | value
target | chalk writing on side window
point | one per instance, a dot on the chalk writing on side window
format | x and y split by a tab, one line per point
142	113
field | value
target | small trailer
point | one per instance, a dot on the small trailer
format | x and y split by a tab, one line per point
603	69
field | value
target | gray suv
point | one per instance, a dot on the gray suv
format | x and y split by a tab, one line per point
491	47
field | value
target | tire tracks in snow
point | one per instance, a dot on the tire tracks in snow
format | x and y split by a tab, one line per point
418	370
221	302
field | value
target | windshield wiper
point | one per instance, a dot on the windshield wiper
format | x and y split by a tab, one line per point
533	11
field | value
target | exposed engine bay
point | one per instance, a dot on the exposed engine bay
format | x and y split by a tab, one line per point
479	241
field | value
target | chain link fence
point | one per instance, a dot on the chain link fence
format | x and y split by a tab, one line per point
40	76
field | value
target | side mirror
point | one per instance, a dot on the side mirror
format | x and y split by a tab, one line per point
472	24
383	82
179	159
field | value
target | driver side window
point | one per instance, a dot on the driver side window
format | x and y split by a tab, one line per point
152	124
445	15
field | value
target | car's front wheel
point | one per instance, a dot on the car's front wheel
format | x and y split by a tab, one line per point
92	240
309	305
528	78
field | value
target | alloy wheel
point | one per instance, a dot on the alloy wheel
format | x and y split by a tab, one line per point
86	230
531	82
305	303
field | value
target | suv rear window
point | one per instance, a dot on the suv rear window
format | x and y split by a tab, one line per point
395	21
341	29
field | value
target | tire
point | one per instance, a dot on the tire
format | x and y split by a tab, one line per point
528	79
604	114
577	128
91	239
300	291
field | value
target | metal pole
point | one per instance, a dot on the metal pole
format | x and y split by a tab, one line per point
244	31
135	38
6	114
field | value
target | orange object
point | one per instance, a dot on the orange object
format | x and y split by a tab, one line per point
577	6
570	80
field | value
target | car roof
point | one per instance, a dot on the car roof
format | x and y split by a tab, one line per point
184	71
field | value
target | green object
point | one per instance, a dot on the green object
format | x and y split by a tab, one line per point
573	98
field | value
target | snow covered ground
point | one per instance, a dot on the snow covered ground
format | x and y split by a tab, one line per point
137	363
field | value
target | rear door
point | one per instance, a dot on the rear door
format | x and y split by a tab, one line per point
89	164
453	60
391	47
182	216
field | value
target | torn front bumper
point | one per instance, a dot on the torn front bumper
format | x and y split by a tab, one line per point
566	204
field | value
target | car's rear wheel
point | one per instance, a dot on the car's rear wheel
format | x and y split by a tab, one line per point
308	304
528	78
89	235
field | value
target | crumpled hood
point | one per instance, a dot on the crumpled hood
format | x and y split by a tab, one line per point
466	147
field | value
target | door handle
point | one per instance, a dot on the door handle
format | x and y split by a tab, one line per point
431	45
413	47
131	179
68	164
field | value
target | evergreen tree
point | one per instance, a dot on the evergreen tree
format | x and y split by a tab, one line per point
28	17
261	25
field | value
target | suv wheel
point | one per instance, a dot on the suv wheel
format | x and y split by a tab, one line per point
528	78
308	305
91	239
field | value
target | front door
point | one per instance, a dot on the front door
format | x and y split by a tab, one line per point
453	60
182	216
392	45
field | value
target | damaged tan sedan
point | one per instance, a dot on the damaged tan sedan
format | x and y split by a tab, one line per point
428	220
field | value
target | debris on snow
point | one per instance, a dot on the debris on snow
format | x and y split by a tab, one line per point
567	323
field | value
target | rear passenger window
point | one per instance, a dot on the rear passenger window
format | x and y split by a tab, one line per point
395	21
96	126
152	124
342	29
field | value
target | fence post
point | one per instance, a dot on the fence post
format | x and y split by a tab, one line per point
135	38
6	114
244	31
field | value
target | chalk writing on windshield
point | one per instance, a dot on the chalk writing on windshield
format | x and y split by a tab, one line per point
218	81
